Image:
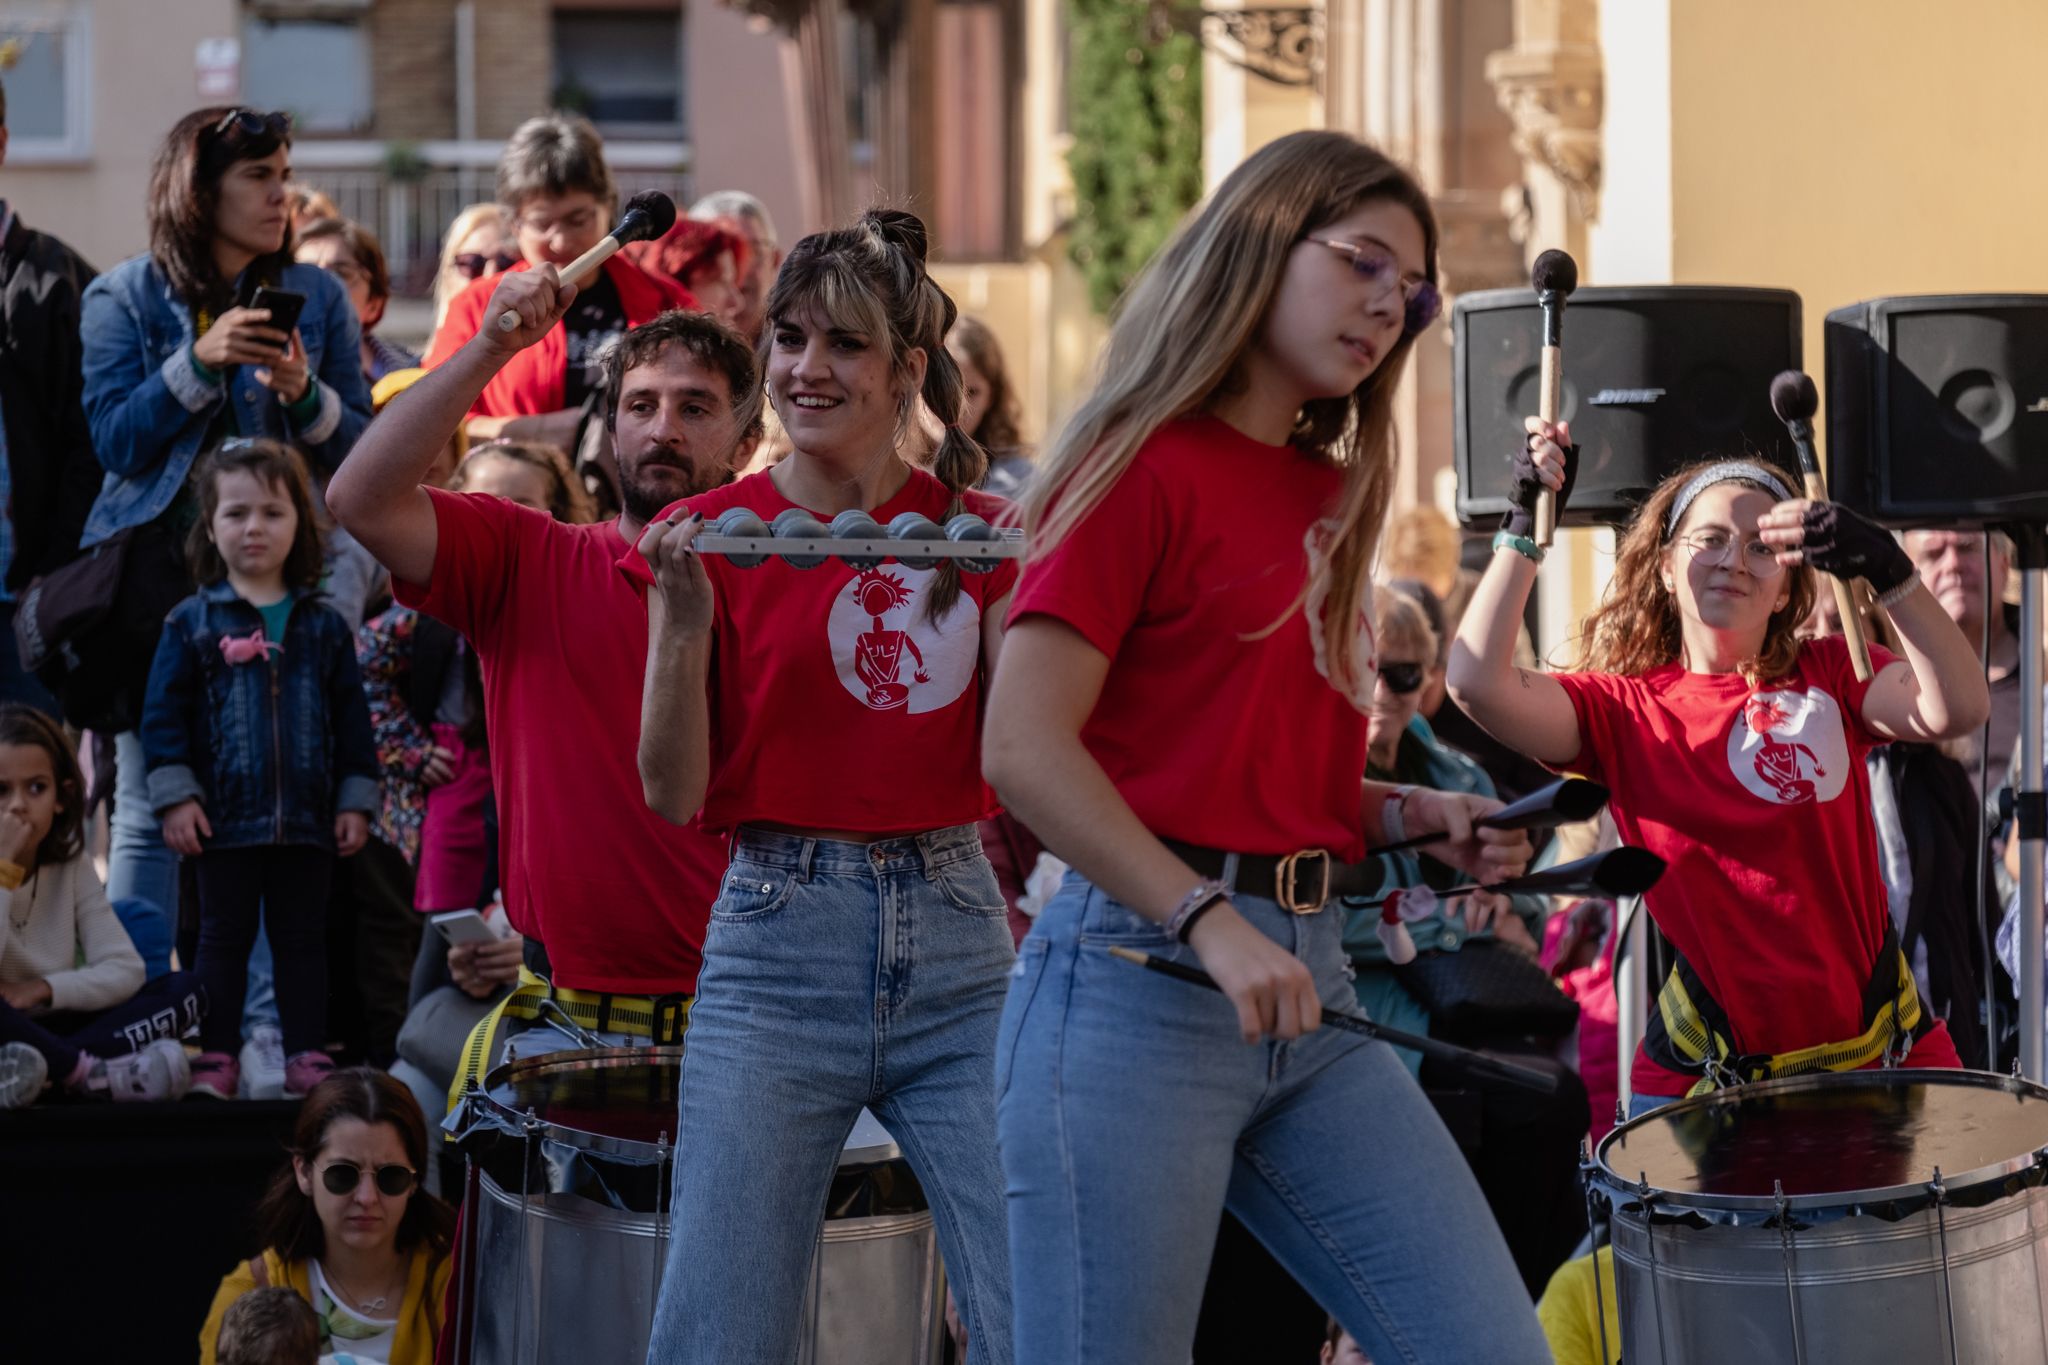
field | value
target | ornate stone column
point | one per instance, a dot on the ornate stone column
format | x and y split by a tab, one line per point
1549	84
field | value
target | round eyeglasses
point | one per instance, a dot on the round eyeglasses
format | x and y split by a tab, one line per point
1421	303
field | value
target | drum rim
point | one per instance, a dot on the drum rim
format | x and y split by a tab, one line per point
600	1058
1601	1172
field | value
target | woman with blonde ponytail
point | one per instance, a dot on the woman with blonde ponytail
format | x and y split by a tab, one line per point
1181	715
828	720
1735	752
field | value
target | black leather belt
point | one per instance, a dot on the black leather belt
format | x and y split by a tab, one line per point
1302	883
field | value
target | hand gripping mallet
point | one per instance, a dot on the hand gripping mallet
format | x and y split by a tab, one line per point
1554	276
1795	400
649	214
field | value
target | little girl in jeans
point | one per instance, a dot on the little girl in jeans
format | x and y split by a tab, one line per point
260	759
74	1005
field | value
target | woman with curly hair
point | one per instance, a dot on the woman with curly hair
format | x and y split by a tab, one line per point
1734	751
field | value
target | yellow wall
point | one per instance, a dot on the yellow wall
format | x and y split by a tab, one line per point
1851	149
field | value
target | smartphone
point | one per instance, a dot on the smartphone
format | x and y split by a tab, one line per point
284	306
464	926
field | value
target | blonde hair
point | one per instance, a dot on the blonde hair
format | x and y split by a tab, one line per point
1636	627
1179	340
1402	621
447	284
1422	544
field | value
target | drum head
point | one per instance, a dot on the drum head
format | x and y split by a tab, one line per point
1824	1140
608	1099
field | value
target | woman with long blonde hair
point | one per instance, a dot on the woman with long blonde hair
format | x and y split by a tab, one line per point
479	245
1734	751
1180	713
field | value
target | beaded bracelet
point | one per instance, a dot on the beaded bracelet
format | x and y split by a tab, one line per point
1192	904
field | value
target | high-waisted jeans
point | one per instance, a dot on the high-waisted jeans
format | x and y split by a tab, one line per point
836	976
1132	1112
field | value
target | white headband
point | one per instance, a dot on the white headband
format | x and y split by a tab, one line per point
1728	471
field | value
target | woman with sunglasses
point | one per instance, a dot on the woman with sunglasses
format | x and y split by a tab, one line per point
1734	750
175	360
478	245
1180	713
346	1225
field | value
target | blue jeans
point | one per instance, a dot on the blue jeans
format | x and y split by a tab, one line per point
1640	1104
1132	1112
140	866
149	929
836	976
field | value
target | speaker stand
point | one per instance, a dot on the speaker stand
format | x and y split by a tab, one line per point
2030	805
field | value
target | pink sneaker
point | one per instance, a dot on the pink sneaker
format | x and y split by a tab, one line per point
303	1072
214	1075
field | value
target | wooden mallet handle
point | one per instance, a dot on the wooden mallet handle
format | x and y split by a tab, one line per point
1845	596
1554	276
576	272
1795	399
1548	403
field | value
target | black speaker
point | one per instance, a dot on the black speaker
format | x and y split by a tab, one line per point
1655	377
1938	408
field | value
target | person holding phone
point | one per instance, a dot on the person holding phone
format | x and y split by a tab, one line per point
177	356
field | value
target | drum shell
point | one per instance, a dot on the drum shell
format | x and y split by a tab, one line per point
1863	1288
571	1230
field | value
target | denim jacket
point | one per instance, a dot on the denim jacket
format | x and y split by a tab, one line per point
150	408
272	747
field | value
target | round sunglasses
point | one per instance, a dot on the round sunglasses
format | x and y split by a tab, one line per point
344	1177
472	264
1401	679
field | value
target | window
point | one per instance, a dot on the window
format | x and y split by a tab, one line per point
46	55
622	69
314	67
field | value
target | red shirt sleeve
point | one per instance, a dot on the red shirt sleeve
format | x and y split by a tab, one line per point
1096	579
476	555
1598	705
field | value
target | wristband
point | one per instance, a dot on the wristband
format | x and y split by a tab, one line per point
1896	595
306	404
205	371
1521	545
1204	894
1187	926
1393	829
12	875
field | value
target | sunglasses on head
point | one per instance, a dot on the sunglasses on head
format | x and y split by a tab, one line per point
247	125
472	264
343	1177
1401	678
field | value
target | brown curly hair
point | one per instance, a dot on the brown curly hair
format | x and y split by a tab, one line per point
1636	626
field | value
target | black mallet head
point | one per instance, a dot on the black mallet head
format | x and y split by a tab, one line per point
1793	397
1555	272
649	215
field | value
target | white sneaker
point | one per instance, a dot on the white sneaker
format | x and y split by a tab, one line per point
263	1064
160	1071
22	1073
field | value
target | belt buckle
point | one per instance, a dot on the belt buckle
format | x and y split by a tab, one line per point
1283	882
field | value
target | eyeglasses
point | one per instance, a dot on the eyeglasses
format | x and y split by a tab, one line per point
247	125
1420	300
345	1177
580	221
474	264
1716	546
1401	679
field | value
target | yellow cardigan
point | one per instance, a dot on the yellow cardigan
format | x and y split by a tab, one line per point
419	1315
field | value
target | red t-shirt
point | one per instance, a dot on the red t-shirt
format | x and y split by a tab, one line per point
619	895
1760	804
1217	729
834	703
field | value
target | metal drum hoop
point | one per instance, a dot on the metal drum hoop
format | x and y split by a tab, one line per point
1623	1192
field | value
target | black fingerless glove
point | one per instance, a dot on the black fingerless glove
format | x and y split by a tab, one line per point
1839	542
1522	494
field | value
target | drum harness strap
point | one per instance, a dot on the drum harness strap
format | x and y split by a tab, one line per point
662	1019
1691	1033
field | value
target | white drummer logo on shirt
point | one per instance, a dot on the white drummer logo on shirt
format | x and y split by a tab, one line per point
888	655
1789	747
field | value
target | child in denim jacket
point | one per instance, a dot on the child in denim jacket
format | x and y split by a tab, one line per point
261	764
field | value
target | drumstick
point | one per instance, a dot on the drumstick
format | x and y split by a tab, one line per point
1623	871
1564	802
1478	1064
649	214
1795	400
1555	275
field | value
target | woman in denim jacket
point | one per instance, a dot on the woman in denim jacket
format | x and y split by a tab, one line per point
173	365
261	763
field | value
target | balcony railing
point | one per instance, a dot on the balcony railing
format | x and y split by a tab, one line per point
410	214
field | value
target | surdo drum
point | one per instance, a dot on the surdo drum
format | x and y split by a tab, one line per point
1867	1216
570	1165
